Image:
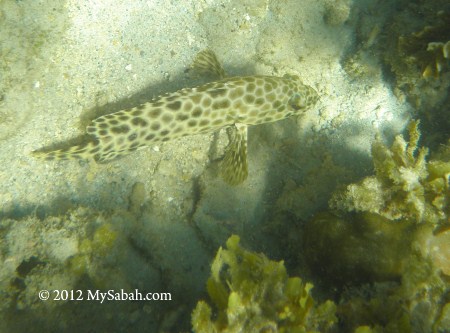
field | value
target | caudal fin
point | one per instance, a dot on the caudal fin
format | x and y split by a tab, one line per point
86	150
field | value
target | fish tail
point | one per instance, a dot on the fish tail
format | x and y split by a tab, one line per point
86	150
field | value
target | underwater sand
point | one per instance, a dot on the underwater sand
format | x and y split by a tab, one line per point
65	61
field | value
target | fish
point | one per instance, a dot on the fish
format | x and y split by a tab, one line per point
234	103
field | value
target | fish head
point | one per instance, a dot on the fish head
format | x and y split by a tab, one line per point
302	96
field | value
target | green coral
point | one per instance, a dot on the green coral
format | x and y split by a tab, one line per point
254	294
405	186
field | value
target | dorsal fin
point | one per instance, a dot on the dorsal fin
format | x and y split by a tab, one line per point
206	62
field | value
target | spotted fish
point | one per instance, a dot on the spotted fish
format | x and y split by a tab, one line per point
233	103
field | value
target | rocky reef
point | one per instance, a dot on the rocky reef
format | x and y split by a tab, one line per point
385	244
427	49
80	249
409	42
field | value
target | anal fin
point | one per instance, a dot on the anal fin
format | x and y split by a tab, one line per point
234	166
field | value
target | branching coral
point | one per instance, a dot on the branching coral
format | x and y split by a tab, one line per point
254	294
405	186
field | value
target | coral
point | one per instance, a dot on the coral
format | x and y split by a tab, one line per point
424	291
254	294
405	186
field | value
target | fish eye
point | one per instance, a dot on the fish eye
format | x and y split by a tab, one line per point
296	102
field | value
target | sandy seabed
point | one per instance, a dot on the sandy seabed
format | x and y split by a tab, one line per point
154	219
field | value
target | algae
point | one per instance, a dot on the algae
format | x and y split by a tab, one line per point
146	246
353	250
427	49
77	250
384	247
251	293
388	277
405	185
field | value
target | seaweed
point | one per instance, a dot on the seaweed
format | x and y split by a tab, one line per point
385	246
405	185
251	293
428	48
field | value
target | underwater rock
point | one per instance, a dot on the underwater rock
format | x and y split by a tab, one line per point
137	198
337	12
363	249
78	249
436	246
375	265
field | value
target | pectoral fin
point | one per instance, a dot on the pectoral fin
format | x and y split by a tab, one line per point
234	166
